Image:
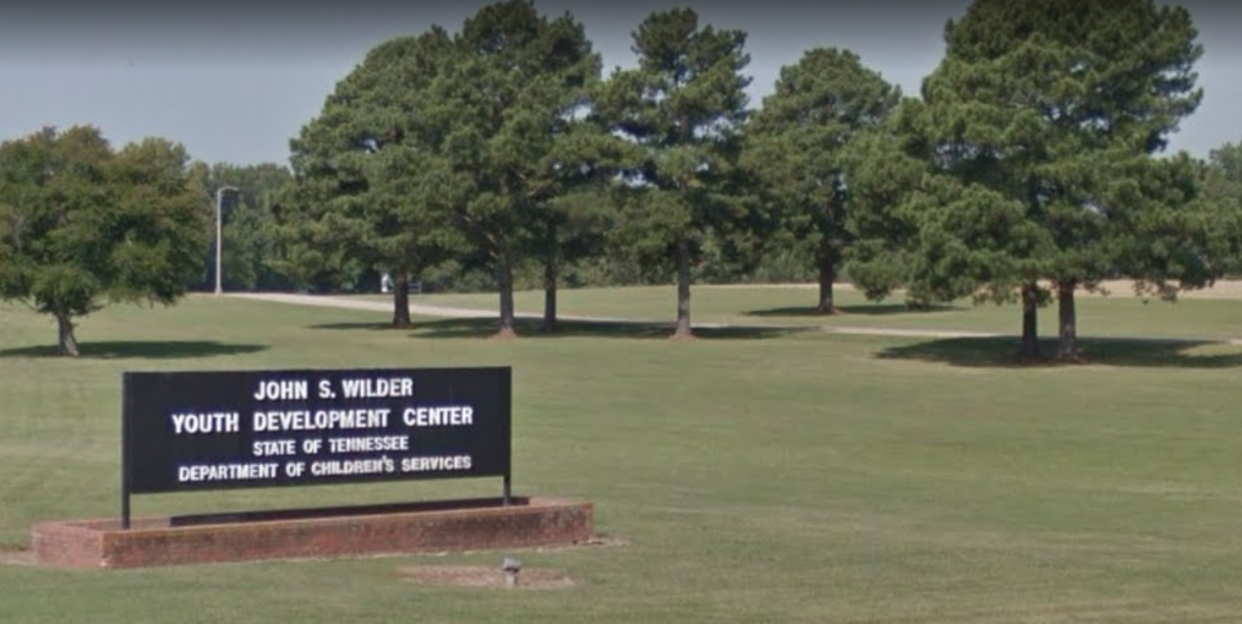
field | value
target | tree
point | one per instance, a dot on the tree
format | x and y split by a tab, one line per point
361	194
886	167
796	144
573	229
81	224
1045	117
683	107
938	235
577	208
1223	179
514	134
1222	185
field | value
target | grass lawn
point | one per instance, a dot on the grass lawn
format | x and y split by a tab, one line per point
756	476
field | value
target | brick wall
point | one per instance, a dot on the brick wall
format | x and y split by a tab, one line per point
432	527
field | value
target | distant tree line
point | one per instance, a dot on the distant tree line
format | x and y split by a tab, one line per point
1030	167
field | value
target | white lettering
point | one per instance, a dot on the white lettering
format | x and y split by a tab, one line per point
303	420
436	463
213	422
352	467
369	444
226	472
367	388
281	390
269	448
450	416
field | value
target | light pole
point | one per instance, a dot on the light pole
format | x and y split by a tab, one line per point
219	209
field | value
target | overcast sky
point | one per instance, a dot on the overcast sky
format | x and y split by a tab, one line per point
234	81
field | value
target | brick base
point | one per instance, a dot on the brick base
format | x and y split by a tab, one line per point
481	524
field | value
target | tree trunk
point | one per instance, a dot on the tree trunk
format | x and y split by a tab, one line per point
683	289
1067	343
1030	329
400	298
827	275
549	281
67	343
505	279
549	295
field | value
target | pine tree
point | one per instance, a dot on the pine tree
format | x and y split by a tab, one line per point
364	192
514	131
797	143
684	107
1039	129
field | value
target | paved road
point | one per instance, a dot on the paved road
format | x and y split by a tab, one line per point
1222	290
361	304
329	301
447	312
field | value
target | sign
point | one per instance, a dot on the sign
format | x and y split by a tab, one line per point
213	430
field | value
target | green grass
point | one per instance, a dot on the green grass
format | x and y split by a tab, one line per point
1118	315
757	476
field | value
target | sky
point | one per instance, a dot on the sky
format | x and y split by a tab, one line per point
234	81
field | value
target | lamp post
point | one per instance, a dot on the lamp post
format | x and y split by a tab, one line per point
219	209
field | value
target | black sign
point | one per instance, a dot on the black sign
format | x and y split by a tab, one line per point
199	431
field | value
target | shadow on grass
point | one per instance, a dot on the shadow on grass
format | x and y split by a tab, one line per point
883	309
533	328
383	326
1128	352
141	349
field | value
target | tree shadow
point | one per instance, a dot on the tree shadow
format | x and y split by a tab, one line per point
882	309
380	326
1002	352
140	349
533	328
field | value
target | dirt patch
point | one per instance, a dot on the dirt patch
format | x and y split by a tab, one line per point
493	577
16	556
505	334
793	285
1223	289
594	541
484	577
